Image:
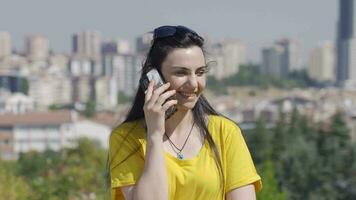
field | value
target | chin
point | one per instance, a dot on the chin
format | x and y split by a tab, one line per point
186	106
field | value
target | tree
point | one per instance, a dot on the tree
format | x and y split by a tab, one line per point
259	142
12	187
76	173
90	108
270	190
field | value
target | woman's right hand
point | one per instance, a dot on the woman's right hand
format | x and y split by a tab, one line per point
155	107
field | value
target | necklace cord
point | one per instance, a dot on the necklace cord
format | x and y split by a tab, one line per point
185	142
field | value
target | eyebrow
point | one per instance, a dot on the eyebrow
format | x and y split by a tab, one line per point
184	68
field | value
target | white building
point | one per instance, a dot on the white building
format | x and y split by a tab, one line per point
50	89
106	92
229	55
37	47
125	69
83	66
82	89
5	44
41	131
87	44
19	103
58	63
4	95
322	62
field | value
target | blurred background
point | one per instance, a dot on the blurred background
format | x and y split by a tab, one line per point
286	73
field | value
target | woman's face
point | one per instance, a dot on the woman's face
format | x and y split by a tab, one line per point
185	70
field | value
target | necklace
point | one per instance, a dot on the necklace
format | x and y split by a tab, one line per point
177	150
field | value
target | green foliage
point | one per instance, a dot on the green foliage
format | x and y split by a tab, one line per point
73	173
55	107
90	108
260	138
270	190
24	85
122	98
250	75
310	161
12	187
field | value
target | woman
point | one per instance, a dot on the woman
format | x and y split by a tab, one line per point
194	154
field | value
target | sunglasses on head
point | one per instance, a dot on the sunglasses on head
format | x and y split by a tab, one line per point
166	31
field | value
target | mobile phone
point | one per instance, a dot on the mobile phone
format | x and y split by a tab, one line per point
153	74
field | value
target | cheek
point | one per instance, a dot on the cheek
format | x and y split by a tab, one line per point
176	82
202	83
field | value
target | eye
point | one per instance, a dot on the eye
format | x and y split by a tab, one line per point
201	72
180	73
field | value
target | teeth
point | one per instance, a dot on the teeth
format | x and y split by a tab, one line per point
187	94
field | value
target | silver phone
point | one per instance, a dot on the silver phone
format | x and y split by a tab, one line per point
153	74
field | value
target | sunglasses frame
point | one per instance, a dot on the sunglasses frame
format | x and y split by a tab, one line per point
167	31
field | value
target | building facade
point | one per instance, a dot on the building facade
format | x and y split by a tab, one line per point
37	47
346	57
5	44
87	44
46	130
322	62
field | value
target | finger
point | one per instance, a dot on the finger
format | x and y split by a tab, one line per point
149	90
168	104
157	92
163	97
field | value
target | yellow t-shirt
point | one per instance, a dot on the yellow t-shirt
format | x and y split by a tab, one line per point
196	178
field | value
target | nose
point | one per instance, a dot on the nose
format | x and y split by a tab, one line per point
192	81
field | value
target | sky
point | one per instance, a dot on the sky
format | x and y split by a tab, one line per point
256	23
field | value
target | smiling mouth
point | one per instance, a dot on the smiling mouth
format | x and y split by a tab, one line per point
187	95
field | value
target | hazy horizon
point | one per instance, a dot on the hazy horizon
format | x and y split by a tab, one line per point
255	23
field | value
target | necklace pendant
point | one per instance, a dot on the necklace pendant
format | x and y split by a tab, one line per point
180	156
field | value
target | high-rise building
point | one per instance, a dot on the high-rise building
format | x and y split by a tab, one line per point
125	69
229	55
281	58
82	66
106	92
143	43
115	47
5	44
87	44
322	62
47	90
37	47
271	60
83	89
346	49
290	56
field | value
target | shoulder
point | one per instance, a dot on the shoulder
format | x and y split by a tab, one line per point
222	124
126	130
223	130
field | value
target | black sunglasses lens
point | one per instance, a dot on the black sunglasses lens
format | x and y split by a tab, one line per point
164	31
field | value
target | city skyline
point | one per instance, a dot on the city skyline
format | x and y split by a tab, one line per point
257	24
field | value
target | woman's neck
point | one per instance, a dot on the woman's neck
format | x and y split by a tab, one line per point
179	122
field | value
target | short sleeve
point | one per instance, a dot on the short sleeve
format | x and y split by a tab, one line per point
126	161
240	169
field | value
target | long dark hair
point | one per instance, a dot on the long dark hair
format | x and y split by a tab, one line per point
160	48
